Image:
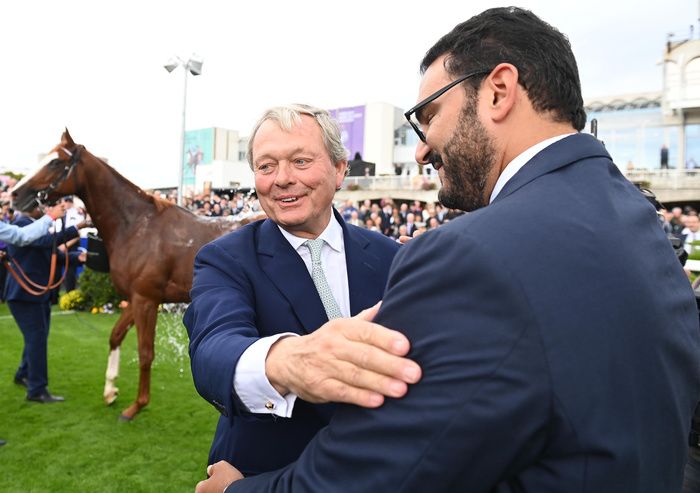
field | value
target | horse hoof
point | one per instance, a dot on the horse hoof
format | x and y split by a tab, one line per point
130	412
125	419
109	399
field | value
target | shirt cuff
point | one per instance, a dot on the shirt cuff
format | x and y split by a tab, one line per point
252	386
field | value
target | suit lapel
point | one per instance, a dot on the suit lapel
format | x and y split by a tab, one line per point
558	155
283	266
364	270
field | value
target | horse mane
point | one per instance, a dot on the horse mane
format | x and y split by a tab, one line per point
159	203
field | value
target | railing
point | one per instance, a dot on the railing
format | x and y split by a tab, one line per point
655	179
670	179
392	182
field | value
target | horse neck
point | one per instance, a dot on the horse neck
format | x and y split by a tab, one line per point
113	202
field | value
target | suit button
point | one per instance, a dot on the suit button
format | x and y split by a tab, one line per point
269	405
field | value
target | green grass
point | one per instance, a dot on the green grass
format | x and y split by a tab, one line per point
80	445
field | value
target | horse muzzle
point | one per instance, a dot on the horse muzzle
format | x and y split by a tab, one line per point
25	201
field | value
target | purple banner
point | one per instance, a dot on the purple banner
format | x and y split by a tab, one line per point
352	128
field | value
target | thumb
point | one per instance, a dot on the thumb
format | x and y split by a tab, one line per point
369	313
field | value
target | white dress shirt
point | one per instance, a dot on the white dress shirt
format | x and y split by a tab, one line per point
690	237
250	382
519	161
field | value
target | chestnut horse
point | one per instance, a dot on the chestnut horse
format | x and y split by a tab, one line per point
151	244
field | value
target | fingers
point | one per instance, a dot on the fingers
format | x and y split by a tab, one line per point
356	329
337	391
369	313
375	369
404	239
382	377
346	360
221	475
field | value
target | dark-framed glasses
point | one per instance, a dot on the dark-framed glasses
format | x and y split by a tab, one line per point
413	115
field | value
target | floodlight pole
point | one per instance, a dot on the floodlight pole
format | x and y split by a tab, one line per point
181	161
194	66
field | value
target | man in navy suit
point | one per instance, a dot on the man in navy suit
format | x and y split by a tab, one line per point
33	312
263	350
552	362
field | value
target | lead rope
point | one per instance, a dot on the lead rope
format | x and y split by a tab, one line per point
23	279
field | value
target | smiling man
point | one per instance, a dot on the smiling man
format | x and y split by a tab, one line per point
268	343
556	331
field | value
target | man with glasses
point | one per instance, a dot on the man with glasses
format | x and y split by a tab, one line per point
551	362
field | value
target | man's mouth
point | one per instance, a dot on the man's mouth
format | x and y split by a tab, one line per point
288	200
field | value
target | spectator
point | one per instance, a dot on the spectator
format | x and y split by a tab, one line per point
411	225
691	232
664	156
677	222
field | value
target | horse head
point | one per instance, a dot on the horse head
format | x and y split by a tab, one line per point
53	178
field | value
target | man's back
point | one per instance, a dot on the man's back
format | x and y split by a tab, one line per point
615	318
552	362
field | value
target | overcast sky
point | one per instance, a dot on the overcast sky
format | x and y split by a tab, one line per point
97	67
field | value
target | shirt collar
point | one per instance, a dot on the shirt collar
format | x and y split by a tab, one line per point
332	235
521	160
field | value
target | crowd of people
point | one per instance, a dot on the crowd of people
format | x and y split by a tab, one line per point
391	217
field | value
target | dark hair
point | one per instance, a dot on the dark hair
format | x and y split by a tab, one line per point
546	65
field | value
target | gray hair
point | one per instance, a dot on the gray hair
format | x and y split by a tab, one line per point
290	115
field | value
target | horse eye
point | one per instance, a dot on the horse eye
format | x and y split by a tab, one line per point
55	163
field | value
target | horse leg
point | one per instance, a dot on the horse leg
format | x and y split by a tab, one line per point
145	316
126	320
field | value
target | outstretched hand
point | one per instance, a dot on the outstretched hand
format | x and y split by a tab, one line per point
349	360
221	475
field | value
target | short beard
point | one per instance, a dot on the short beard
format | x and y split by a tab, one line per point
468	158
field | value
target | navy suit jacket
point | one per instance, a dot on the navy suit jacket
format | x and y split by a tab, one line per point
35	261
559	341
251	284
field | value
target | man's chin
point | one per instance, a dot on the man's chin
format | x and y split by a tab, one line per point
457	201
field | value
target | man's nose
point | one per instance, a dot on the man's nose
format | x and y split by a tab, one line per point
285	173
423	153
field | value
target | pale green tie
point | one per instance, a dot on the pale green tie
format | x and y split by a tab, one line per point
320	281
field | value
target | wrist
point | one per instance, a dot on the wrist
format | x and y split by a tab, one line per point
273	366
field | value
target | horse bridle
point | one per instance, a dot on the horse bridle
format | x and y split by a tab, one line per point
42	195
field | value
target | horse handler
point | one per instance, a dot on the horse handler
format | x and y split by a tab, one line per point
31	308
15	235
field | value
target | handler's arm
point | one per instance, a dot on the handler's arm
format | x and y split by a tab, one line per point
22	236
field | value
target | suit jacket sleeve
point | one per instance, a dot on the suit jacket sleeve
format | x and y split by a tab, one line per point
221	325
47	240
478	414
21	236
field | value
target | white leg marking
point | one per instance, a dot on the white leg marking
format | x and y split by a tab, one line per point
111	391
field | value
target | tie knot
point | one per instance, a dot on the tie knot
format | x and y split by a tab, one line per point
314	247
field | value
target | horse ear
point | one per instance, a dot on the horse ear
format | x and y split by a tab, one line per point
66	139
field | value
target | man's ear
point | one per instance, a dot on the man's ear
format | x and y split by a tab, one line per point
502	88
